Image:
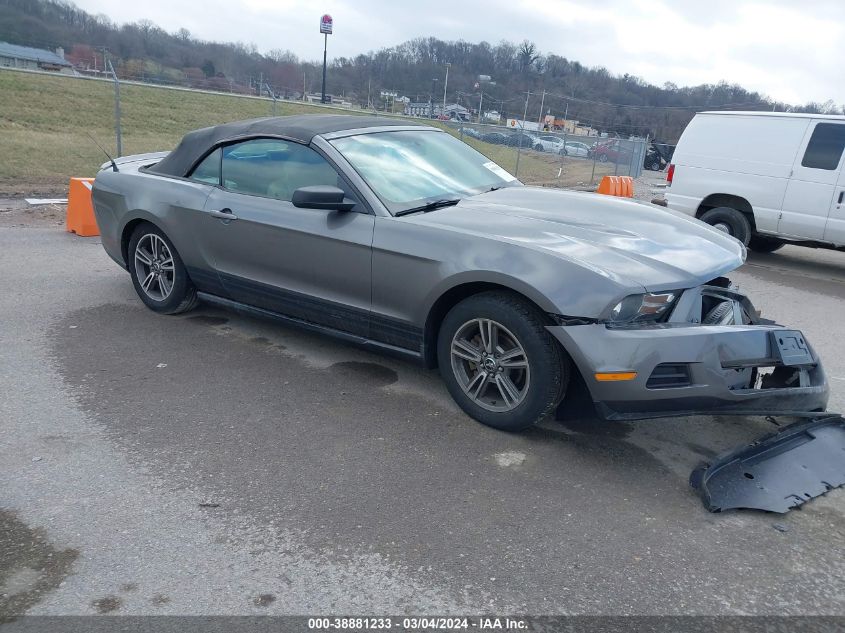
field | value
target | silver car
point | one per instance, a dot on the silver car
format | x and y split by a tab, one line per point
401	238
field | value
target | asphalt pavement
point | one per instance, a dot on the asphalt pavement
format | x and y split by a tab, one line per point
213	463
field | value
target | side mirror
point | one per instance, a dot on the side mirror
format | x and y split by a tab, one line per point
321	197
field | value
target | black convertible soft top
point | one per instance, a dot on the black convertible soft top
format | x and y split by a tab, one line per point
301	127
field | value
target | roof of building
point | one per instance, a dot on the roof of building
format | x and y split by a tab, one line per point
32	54
302	128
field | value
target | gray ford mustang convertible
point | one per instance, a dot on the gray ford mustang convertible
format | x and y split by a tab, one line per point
402	238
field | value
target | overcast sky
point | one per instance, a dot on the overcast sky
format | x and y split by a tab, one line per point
791	51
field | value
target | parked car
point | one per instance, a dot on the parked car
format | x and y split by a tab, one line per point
614	151
766	178
522	139
653	159
549	143
576	149
402	238
471	132
496	138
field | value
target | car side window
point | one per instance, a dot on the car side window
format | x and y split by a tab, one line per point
275	168
208	171
825	147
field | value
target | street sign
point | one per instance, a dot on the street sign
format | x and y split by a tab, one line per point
326	24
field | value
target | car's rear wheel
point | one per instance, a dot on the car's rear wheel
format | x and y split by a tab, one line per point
730	221
538	147
499	362
157	271
603	158
760	244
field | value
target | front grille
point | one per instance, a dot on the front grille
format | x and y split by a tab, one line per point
669	376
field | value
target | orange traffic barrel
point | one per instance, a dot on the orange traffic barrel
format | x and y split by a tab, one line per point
80	210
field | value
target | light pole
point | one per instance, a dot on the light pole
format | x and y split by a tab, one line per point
326	30
445	83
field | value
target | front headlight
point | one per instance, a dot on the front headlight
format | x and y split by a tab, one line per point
647	307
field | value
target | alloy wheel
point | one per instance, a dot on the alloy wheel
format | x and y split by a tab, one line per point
490	365
154	267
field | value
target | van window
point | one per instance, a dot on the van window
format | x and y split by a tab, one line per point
825	147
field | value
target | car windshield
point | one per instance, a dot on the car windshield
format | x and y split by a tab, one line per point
409	169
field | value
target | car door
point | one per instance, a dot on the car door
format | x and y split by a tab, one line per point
809	193
310	264
835	229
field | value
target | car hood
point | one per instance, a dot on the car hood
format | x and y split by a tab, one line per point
631	243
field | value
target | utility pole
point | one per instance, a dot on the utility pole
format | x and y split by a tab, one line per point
480	102
117	131
521	138
445	83
542	103
431	98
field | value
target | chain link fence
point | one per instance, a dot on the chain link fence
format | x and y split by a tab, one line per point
547	157
555	158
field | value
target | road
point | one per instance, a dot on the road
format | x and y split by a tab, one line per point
217	463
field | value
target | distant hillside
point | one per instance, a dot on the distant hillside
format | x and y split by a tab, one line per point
621	104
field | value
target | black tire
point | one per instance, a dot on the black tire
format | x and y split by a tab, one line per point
733	222
538	147
720	311
655	166
602	158
182	295
547	362
761	244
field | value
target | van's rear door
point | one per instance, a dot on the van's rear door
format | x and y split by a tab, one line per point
810	192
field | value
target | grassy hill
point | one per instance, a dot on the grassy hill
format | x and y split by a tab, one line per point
44	120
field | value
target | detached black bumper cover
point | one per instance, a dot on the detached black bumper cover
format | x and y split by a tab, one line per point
777	472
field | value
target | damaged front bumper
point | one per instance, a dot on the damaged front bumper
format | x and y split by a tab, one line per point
682	367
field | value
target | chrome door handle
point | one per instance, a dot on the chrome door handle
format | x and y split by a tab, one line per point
223	214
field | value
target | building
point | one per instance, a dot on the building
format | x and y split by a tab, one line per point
14	56
419	109
453	111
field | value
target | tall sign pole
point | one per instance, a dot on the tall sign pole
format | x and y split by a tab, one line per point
445	83
326	29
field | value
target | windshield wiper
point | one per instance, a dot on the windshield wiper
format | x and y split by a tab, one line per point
430	206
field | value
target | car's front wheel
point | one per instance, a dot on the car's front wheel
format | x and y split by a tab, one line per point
499	362
158	274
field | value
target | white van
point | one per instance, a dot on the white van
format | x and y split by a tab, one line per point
766	178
